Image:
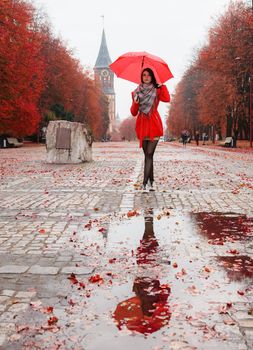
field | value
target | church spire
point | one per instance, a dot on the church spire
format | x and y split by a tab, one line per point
103	59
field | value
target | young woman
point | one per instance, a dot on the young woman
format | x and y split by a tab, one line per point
149	128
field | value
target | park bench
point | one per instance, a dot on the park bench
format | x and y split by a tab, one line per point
228	142
13	142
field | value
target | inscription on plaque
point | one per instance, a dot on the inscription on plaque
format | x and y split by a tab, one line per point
63	138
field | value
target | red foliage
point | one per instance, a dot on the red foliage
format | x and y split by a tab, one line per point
127	129
38	71
215	88
21	67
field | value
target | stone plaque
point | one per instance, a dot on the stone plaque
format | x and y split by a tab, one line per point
63	138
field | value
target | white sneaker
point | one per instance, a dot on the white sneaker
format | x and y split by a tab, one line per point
151	186
144	188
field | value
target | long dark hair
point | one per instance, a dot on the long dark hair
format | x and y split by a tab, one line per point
151	73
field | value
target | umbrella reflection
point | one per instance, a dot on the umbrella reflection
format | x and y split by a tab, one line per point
147	311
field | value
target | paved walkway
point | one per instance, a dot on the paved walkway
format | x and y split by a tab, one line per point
85	256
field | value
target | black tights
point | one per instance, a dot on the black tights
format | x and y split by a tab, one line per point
149	150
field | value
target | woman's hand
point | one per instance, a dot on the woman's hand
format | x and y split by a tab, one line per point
159	85
136	98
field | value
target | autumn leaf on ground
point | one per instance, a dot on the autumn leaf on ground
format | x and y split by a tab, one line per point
47	310
132	213
36	305
71	302
223	309
233	251
52	320
193	290
240	292
73	278
180	273
96	279
229	321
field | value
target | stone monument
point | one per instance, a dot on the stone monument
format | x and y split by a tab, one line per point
68	142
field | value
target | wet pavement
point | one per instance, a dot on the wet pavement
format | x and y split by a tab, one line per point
87	261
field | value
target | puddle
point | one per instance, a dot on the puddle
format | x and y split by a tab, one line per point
224	227
148	310
153	284
238	267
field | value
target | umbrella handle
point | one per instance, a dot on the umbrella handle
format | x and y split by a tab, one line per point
142	63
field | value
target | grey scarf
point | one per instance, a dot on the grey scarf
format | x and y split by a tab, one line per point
146	94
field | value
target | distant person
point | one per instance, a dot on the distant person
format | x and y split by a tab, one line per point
184	137
197	138
204	138
149	128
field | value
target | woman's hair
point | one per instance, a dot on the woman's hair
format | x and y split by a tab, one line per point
153	79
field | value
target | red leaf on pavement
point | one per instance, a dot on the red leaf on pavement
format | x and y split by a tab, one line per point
181	273
112	261
132	213
233	251
47	310
229	321
223	309
36	304
88	225
42	230
81	284
52	320
96	279
73	278
71	302
240	292
175	264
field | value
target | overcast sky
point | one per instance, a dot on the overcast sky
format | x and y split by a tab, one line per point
171	29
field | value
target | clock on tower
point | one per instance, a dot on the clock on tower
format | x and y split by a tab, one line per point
104	73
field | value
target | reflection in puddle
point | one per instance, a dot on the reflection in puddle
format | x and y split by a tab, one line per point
148	311
156	283
238	268
224	227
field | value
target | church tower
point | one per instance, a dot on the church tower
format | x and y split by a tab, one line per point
106	77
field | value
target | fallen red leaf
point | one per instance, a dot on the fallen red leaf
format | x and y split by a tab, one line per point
96	279
132	213
71	302
73	278
47	310
240	292
52	320
233	251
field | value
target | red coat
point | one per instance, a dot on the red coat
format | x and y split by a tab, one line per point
150	126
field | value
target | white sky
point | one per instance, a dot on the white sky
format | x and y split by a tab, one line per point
171	29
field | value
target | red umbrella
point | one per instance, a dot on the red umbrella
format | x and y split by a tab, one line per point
130	65
129	313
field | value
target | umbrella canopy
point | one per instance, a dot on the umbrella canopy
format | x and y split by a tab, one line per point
130	65
146	312
129	313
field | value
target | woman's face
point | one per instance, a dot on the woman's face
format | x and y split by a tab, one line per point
146	77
